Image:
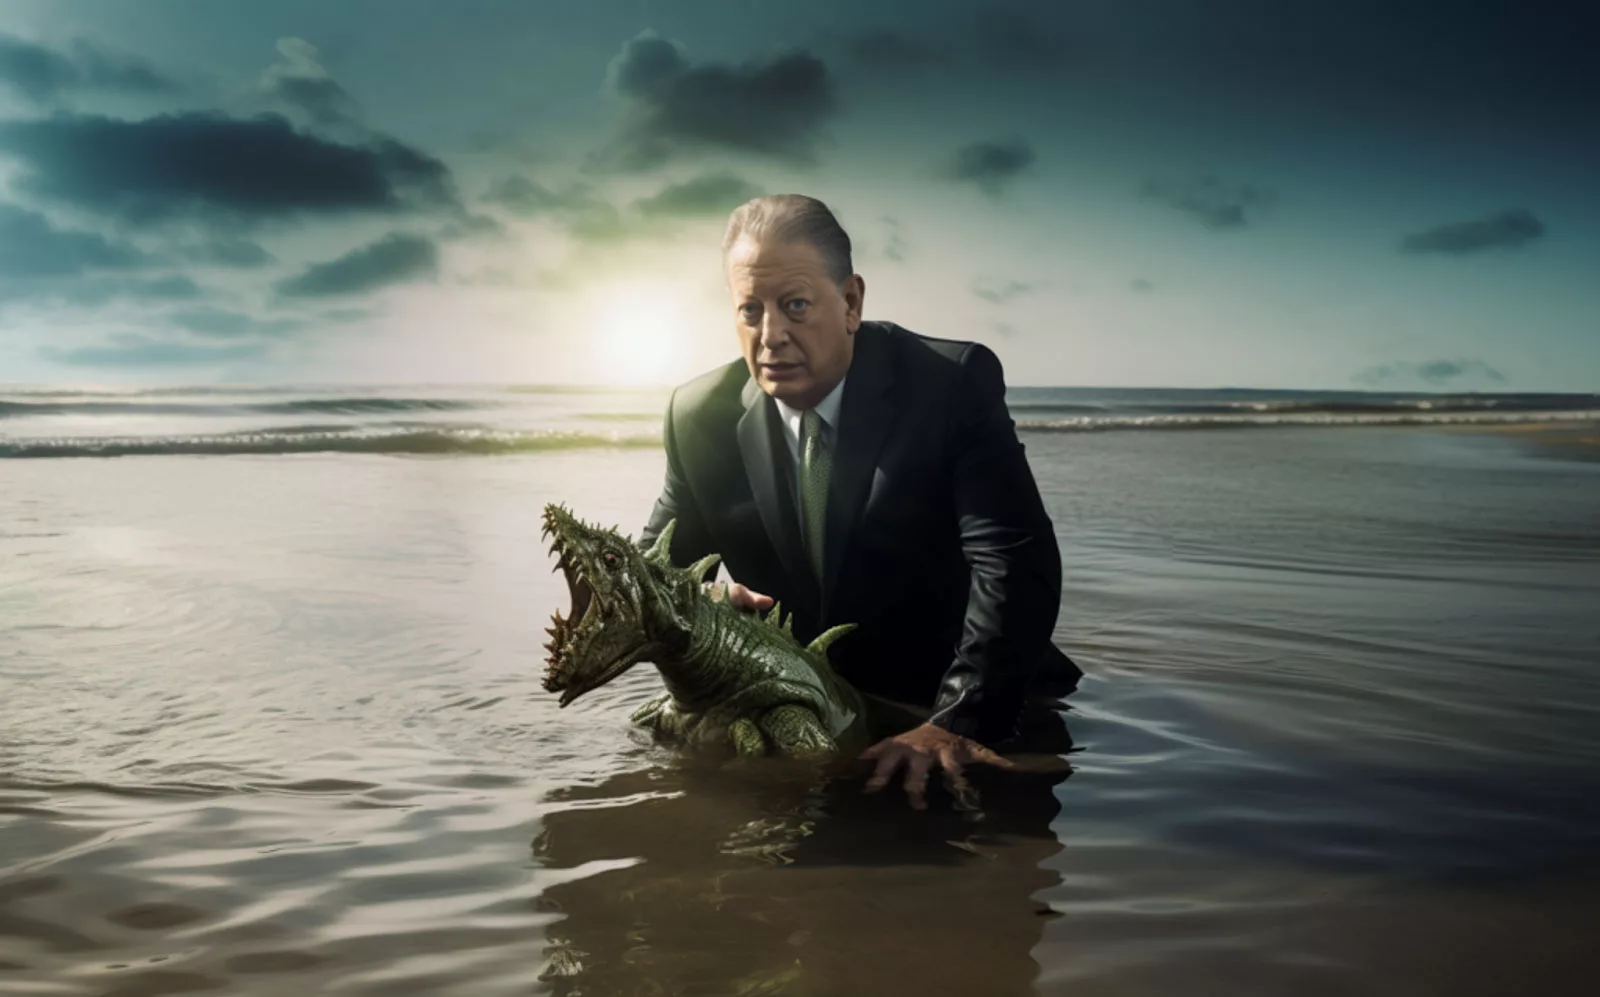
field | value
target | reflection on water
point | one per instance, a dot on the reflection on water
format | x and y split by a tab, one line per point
770	877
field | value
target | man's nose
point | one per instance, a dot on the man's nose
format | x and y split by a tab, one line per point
774	331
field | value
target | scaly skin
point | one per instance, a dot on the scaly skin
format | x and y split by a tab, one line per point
734	679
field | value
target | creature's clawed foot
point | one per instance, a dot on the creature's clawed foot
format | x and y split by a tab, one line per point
747	739
651	715
797	732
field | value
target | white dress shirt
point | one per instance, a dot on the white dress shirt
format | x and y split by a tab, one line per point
828	410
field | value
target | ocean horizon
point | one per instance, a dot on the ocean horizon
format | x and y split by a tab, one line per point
62	421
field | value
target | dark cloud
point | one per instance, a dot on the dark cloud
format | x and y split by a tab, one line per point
114	71
30	246
711	194
1436	373
41	74
218	168
1000	292
299	80
34	71
1508	229
323	99
990	165
396	258
226	252
1216	204
645	63
775	107
134	350
220	324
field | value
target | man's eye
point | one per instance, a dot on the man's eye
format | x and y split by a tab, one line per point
798	301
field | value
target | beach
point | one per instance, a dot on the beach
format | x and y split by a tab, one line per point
1573	441
273	724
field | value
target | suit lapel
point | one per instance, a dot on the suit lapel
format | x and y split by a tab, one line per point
866	414
759	440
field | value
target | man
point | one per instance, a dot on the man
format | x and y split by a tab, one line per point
860	472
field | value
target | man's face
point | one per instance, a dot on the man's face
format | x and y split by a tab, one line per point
796	326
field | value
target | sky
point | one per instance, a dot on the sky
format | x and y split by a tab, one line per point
1228	193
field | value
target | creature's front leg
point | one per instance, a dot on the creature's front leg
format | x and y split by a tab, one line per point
656	715
747	739
797	732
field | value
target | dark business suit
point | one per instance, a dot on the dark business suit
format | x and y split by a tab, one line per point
936	543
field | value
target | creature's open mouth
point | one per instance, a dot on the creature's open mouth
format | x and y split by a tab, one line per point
563	630
573	689
600	637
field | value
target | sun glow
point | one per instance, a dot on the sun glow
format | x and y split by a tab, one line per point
640	334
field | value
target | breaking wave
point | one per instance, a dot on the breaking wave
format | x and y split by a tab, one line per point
1310	407
326	406
431	441
409	439
1311	417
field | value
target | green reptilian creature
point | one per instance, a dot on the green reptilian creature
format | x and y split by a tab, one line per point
733	678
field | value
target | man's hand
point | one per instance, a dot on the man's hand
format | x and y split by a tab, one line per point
740	597
919	749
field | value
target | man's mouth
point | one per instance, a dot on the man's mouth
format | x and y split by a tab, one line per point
781	368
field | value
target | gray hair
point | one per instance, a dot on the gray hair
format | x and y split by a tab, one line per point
783	218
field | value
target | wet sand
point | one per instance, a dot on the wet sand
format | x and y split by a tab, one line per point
1577	440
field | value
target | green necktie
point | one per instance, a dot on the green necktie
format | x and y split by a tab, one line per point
815	464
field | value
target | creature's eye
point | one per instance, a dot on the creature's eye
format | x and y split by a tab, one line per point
611	559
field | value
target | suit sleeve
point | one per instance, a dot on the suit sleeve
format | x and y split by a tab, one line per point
690	539
1010	546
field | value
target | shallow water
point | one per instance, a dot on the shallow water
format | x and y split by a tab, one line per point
272	724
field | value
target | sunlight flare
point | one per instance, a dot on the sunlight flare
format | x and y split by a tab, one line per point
640	333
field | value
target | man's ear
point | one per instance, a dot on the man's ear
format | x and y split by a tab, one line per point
855	294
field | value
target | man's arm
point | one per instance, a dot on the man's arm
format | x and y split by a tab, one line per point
690	539
1007	538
